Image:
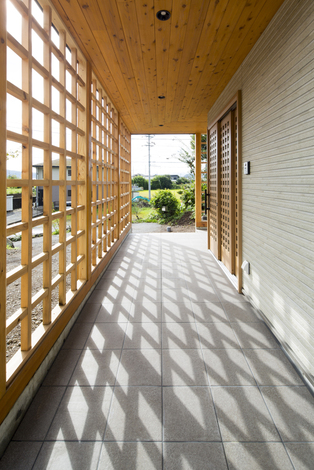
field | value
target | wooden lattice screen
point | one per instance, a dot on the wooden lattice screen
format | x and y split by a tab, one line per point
78	194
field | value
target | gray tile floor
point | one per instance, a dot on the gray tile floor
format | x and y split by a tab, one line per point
167	367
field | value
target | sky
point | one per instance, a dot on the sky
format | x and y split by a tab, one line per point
164	154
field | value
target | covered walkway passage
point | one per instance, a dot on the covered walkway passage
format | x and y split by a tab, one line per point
167	367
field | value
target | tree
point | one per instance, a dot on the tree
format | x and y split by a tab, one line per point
13	154
140	181
161	182
188	157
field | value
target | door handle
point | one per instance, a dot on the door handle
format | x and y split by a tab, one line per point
207	201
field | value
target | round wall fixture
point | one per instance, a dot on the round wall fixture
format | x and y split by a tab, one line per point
163	15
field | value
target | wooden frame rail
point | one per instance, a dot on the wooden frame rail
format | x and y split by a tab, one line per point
72	136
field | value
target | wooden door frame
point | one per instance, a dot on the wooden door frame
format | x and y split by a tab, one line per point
236	100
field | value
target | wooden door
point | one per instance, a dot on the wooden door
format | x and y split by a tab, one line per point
213	184
227	222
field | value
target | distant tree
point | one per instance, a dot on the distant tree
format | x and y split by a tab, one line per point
182	180
140	181
12	154
188	156
161	182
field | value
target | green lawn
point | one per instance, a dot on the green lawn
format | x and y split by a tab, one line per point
174	191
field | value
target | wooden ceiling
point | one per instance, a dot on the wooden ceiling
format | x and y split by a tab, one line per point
189	59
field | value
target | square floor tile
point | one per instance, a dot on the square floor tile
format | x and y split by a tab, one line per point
257	456
114	313
183	367
202	293
242	415
209	312
135	414
179	335
194	455
175	283
82	414
227	367
217	336
68	455
301	454
143	335
78	336
175	295
292	409
38	417
177	312
239	312
189	414
62	368
88	313
112	295
148	294
106	336
140	367
96	368
272	367
145	311
12	458
254	335
131	455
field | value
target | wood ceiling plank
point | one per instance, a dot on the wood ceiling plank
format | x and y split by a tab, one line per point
114	28
128	15
218	28
244	44
221	56
195	25
162	34
75	21
146	22
180	16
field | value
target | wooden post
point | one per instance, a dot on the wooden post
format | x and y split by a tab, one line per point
198	181
119	177
27	213
3	185
47	172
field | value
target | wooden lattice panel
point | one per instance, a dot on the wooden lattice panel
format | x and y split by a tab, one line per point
125	177
68	132
105	168
213	188
236	189
51	128
225	184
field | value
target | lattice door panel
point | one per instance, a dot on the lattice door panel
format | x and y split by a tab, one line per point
214	190
226	185
236	190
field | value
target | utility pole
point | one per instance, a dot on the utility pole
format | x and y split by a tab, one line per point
149	145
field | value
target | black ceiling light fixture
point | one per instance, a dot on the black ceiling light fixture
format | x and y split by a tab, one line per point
161	125
161	97
163	15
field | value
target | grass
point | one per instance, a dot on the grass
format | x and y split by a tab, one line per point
174	191
14	190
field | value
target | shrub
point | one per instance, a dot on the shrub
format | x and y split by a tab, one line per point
188	197
166	199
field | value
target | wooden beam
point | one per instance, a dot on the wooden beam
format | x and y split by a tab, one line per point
3	177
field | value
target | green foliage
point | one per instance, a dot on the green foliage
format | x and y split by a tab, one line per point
182	180
161	182
14	190
188	197
166	199
12	154
188	156
140	181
